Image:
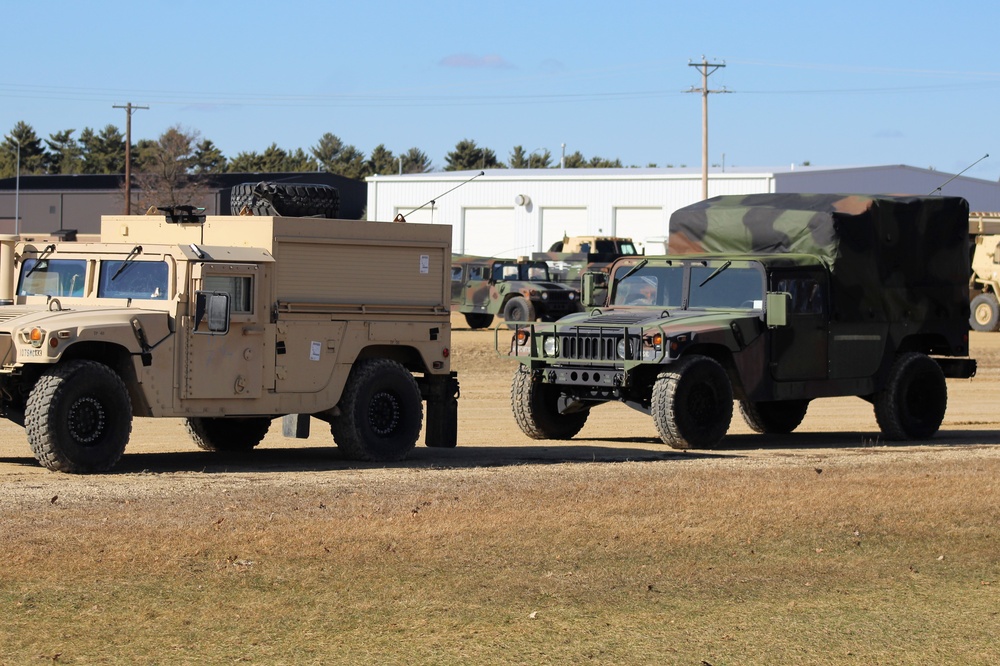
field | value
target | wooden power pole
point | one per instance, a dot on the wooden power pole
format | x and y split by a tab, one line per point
129	110
706	68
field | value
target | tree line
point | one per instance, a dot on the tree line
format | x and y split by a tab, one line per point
179	153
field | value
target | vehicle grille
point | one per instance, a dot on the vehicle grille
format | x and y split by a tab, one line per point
597	345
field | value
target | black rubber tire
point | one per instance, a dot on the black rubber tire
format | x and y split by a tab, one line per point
380	412
984	313
692	403
477	320
78	418
915	397
285	199
228	434
777	417
536	409
518	309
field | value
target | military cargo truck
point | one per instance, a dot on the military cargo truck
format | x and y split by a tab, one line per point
228	322
514	289
770	300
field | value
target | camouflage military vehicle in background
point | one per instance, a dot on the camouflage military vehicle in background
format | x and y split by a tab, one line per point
228	322
772	300
515	289
573	256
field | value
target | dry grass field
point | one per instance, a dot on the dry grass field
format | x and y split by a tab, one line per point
824	547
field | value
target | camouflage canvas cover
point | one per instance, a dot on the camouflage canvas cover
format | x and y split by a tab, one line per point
890	257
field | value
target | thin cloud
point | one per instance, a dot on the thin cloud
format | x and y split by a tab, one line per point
469	60
889	134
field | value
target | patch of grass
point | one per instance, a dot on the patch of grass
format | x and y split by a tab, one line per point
604	563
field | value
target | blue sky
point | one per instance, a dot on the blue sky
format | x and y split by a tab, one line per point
835	84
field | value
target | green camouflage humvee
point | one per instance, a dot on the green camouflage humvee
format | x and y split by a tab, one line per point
772	300
517	290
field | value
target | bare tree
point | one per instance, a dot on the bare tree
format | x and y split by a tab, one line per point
162	173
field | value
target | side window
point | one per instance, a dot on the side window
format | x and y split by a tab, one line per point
807	293
239	288
456	273
478	273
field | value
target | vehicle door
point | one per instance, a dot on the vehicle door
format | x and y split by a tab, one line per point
799	350
226	333
477	286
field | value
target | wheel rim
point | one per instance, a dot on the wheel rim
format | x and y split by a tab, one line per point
87	420
384	413
983	314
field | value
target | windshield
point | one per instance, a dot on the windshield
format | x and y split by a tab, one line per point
650	285
136	279
730	287
534	272
615	247
52	277
719	285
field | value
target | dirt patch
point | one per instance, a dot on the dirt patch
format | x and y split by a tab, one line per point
162	459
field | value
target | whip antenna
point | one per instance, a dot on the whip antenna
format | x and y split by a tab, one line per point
402	218
941	186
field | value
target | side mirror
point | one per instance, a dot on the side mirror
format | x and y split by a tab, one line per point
776	308
213	306
594	289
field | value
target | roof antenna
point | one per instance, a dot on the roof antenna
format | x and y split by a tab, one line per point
941	186
402	218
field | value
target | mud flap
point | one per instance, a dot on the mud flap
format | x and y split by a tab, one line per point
295	425
441	394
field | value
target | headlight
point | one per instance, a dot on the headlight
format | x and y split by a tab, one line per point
621	348
522	336
572	295
550	346
545	295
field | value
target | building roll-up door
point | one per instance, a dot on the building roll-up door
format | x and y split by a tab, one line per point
560	222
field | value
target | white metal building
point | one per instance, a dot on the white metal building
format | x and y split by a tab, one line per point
512	212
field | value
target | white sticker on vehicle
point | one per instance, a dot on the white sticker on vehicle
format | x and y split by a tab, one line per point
425	264
314	349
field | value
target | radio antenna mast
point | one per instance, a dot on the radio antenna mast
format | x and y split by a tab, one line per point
402	218
941	186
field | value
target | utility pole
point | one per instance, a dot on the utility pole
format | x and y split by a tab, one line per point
129	110
706	68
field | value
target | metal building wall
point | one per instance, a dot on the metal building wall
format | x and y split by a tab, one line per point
532	195
982	195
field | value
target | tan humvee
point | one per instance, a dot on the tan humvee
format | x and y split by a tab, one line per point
229	322
984	285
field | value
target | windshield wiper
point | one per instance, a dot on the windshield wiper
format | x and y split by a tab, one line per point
38	260
633	270
715	273
136	251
